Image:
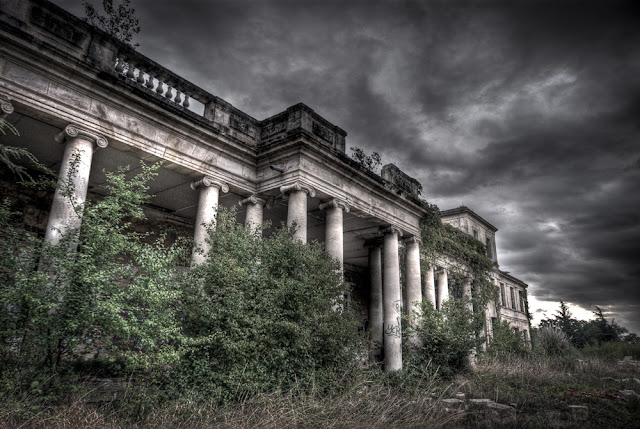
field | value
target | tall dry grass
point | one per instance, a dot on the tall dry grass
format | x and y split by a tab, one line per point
363	405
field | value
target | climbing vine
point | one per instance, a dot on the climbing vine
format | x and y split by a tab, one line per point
470	258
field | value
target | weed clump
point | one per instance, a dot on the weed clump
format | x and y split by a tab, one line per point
554	342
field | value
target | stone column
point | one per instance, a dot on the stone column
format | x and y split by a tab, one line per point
255	211
297	209
392	301
209	191
73	181
466	293
414	292
334	229
430	288
443	288
376	314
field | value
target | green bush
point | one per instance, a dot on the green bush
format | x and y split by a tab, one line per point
506	341
114	298
612	350
553	342
447	338
262	314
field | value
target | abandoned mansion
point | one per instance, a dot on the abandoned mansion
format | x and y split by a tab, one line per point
75	93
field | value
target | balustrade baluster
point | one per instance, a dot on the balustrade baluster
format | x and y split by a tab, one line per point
130	74
178	99
186	101
169	94
149	83
140	78
120	66
160	88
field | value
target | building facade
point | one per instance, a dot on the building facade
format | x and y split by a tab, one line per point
77	95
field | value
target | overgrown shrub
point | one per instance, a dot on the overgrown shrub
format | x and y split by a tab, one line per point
114	298
553	342
447	338
612	350
506	341
262	314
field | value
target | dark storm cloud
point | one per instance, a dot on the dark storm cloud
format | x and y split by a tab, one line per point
528	112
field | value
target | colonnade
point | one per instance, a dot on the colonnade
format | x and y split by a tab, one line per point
385	300
385	309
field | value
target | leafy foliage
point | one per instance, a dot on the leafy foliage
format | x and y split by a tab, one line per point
370	162
120	22
581	333
114	298
447	337
506	341
10	155
470	254
261	315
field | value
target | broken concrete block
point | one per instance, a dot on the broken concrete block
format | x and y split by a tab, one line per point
500	413
453	403
579	413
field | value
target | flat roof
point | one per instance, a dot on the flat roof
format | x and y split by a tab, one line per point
508	276
465	209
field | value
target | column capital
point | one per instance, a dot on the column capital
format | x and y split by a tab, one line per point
6	108
412	240
209	181
254	199
297	186
391	229
335	203
73	131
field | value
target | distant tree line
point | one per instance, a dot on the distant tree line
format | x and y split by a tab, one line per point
588	332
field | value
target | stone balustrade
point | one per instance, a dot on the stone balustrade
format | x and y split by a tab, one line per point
154	81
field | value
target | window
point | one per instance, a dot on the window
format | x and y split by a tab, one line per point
502	295
475	233
489	253
513	299
521	301
494	322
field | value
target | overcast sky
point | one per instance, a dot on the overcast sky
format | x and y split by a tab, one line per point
527	112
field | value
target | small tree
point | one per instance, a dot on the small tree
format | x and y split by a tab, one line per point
115	297
120	22
370	162
600	331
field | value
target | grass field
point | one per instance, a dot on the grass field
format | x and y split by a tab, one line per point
541	389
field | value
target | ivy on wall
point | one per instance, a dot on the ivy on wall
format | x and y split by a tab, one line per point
439	239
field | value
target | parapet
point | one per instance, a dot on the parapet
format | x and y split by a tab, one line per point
401	181
300	118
